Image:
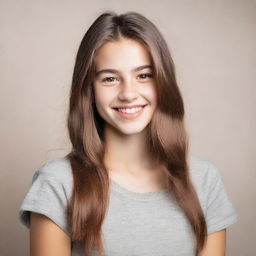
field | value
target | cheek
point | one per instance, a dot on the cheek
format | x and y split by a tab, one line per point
103	97
151	94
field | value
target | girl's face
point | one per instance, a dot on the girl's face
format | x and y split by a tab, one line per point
124	85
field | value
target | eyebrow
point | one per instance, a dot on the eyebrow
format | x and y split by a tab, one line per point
109	70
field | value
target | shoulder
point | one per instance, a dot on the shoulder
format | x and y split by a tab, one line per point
49	193
215	201
205	176
58	169
202	169
56	173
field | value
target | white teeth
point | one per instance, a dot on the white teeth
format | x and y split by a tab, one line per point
129	110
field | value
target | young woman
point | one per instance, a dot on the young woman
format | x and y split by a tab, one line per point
129	186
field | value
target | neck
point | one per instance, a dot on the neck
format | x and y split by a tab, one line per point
128	153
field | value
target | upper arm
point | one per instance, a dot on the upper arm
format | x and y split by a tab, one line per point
46	238
215	244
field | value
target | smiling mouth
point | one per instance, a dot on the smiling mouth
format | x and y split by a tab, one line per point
130	110
130	113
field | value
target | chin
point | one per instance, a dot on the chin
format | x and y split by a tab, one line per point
131	130
127	128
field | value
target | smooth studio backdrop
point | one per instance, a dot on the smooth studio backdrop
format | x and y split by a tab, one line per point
213	44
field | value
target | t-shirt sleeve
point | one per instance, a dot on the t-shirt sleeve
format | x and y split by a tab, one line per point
46	196
220	212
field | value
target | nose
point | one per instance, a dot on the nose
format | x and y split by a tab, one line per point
128	91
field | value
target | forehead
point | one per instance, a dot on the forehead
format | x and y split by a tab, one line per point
122	54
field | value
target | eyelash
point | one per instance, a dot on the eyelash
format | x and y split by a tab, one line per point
147	75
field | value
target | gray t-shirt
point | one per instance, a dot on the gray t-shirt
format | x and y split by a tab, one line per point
136	224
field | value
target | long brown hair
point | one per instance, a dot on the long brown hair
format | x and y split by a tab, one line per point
168	140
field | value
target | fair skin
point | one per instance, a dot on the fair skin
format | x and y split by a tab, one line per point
127	84
127	157
47	239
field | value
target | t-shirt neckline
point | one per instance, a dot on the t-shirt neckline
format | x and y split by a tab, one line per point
144	196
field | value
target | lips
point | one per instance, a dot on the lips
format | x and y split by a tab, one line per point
130	114
129	107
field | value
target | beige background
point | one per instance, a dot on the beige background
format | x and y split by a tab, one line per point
213	44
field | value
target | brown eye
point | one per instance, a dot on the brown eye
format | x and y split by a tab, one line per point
145	76
109	79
